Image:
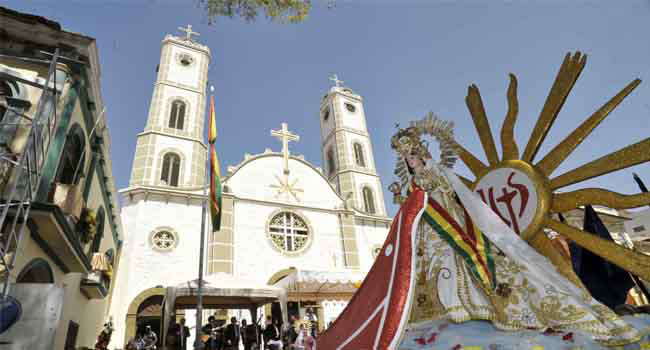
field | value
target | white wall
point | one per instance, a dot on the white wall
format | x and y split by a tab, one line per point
144	267
254	179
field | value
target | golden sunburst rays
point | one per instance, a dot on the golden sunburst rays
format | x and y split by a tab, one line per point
523	194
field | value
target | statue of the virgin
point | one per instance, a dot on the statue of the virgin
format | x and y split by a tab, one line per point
471	266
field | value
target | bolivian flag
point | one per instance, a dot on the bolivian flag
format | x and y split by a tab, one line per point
215	173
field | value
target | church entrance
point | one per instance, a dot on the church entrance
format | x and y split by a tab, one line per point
149	314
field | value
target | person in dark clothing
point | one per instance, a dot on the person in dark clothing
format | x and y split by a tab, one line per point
232	335
182	333
271	335
248	334
292	332
211	339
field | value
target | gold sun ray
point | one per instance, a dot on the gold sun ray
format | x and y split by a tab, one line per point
564	81
623	158
630	260
476	109
508	144
557	155
474	164
515	176
597	196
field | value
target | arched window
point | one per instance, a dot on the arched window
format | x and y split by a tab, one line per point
171	167
358	155
331	165
177	115
368	200
99	232
36	271
72	163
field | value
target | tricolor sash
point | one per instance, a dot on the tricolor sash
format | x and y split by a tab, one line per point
470	243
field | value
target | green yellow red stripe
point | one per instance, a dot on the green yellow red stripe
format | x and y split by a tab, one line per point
470	244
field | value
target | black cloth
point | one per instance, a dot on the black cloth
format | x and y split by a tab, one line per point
293	335
232	336
607	283
271	332
249	336
183	333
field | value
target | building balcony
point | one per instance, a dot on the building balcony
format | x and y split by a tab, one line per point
55	234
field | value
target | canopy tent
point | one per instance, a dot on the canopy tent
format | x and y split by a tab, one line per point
221	291
312	281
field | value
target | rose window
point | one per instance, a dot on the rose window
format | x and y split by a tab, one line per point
288	232
163	240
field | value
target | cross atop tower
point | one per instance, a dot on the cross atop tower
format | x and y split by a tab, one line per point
188	32
285	136
336	80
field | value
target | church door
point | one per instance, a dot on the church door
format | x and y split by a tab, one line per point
149	314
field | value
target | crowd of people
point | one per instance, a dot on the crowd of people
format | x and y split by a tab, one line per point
216	336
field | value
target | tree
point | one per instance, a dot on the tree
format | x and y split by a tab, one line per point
292	11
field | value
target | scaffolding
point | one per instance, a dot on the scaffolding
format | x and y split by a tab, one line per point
22	170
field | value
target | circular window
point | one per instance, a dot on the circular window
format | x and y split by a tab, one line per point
289	232
350	107
185	59
164	240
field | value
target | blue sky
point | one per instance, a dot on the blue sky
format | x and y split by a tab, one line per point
404	57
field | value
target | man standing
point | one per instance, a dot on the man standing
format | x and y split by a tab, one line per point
292	332
183	332
232	335
249	335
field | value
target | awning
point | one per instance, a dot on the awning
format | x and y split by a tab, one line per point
311	281
222	291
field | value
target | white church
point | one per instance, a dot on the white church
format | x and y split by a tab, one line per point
322	227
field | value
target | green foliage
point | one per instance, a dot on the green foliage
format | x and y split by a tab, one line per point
291	11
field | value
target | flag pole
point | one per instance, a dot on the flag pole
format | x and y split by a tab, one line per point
198	344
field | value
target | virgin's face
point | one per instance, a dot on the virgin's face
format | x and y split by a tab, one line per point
414	162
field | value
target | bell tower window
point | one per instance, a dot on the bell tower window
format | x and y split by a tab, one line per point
177	115
170	169
71	166
358	155
350	107
368	200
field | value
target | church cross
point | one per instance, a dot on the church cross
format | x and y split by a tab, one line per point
188	32
285	136
335	79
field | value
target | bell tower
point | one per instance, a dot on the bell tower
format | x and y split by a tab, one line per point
348	158
170	152
161	208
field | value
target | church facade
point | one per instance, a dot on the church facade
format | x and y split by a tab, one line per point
281	213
